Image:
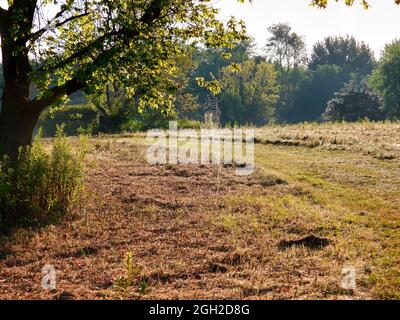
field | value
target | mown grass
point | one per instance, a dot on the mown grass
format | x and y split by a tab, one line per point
378	139
193	232
344	196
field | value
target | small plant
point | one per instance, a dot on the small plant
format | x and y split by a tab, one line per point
41	186
143	287
132	270
132	276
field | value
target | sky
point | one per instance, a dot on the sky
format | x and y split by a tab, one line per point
377	26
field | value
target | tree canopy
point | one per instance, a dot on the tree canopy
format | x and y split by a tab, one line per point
356	59
88	43
386	79
250	94
71	45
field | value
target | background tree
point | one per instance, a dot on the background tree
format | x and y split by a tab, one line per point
285	47
250	94
315	89
211	61
287	50
353	103
386	79
89	43
356	59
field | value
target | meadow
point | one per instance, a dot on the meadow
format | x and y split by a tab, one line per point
323	197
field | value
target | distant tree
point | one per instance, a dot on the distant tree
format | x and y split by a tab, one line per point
211	61
386	79
287	50
187	106
285	47
208	64
353	103
355	58
250	94
315	89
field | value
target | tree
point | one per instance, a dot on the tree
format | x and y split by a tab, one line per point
285	47
386	79
355	58
1	81
287	50
249	94
353	103
315	89
87	44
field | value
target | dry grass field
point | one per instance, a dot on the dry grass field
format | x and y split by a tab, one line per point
201	232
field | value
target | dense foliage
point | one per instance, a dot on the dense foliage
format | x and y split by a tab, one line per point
354	103
249	94
386	79
71	45
43	186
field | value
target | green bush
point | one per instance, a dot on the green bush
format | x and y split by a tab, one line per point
78	119
131	126
42	186
189	124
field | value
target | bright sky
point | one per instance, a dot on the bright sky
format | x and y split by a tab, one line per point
376	26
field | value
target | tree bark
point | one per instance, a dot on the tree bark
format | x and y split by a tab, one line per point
16	130
18	116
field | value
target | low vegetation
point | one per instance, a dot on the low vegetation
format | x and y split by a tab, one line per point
43	185
193	232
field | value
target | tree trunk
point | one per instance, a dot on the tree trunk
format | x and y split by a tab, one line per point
16	130
18	115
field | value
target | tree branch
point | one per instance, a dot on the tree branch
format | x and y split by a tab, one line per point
36	35
152	13
78	54
53	94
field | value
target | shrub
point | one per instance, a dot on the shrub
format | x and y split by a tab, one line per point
78	119
42	186
131	126
354	103
189	124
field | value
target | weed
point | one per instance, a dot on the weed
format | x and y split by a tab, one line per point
42	186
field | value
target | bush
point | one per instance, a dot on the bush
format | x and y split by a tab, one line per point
78	119
42	186
131	126
189	124
354	103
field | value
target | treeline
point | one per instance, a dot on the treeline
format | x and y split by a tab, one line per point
339	81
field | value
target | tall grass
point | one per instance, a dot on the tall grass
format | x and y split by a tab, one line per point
43	185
